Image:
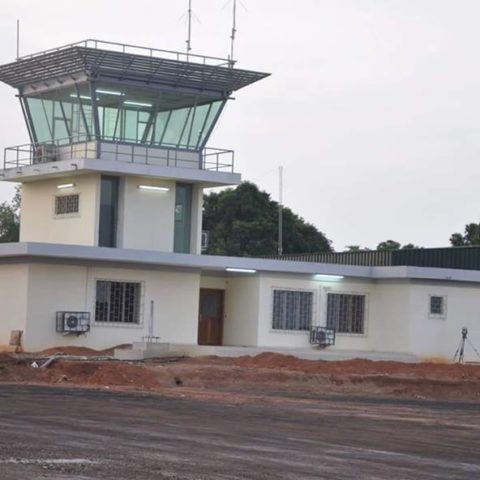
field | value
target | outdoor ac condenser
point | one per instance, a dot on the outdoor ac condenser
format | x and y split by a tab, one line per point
73	322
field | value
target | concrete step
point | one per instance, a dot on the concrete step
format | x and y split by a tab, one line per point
144	350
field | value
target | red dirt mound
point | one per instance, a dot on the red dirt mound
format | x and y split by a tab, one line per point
360	367
80	351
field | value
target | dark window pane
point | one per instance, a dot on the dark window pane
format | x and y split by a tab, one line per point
108	212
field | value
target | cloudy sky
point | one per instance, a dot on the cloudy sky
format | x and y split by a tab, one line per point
372	108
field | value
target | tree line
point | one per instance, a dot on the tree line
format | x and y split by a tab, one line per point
244	222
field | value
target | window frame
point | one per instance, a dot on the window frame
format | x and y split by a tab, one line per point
70	214
313	310
139	324
439	316
365	312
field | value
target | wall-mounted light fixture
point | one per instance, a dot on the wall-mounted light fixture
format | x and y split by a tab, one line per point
63	186
154	188
328	278
137	104
240	270
109	92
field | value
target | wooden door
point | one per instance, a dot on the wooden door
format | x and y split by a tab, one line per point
210	320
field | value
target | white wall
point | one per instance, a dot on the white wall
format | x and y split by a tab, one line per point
38	222
439	337
146	218
175	296
389	319
386	315
241	311
13	300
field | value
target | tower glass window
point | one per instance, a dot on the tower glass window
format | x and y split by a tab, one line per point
127	114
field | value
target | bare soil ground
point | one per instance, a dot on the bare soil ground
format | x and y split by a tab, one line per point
75	434
269	417
265	375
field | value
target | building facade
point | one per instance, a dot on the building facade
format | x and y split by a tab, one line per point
111	221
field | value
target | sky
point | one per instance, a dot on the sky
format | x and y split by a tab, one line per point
372	107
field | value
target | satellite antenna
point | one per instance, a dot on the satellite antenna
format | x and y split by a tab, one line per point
231	60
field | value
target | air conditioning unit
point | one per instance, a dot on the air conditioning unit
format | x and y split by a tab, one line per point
73	322
322	336
44	153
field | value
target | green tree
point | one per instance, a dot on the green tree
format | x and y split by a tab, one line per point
470	237
244	222
10	219
389	245
408	246
356	248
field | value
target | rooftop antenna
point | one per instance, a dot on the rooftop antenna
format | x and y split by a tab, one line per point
18	39
189	15
231	60
189	21
280	210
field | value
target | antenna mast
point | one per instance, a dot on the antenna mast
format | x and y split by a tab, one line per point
280	210
189	21
234	31
18	39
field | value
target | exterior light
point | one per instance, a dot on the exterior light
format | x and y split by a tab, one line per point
331	278
110	92
65	185
137	104
83	97
240	270
154	188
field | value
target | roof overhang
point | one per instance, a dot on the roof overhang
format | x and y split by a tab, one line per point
77	62
209	264
80	166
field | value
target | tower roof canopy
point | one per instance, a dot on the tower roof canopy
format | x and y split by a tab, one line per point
97	60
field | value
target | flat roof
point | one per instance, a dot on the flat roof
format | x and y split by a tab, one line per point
77	254
79	166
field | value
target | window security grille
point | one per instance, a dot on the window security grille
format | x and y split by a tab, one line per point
67	204
437	305
117	302
292	310
346	313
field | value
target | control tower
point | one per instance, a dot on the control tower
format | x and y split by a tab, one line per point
118	153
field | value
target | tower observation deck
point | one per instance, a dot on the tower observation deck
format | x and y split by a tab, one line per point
97	105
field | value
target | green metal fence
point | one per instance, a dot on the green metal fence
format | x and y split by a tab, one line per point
464	258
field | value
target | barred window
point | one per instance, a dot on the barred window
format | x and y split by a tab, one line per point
67	204
437	306
292	310
346	312
117	302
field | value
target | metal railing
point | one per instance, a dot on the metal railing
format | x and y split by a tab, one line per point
137	50
88	147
